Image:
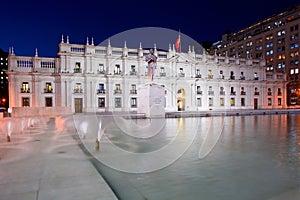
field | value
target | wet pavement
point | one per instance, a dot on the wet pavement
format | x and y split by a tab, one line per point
37	165
220	157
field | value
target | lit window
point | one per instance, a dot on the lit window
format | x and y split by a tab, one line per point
118	87
292	71
101	102
232	102
222	102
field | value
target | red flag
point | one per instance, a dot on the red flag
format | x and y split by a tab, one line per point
177	43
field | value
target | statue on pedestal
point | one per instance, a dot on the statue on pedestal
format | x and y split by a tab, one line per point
151	60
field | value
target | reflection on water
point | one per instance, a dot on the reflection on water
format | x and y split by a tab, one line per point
256	157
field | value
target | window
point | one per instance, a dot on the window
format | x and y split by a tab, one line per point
210	101
77	68
269	91
101	89
232	102
292	71
199	89
222	92
25	101
25	87
210	90
221	74
132	67
232	75
48	88
243	102
199	102
101	102
181	74
162	72
117	69
48	101
198	75
255	76
256	92
222	102
243	91
269	37
133	102
279	92
101	69
279	101
242	76
281	32
117	89
78	88
269	101
132	70
232	92
133	89
209	74
118	103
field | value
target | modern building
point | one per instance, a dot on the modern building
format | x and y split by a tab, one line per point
275	39
89	78
3	80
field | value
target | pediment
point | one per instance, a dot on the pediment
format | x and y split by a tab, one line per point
182	58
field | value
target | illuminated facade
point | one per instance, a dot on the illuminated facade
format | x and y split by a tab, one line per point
275	39
89	78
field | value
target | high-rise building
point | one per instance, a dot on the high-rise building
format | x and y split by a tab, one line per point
3	79
89	78
275	39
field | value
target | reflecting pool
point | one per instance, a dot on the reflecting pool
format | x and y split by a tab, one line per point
226	157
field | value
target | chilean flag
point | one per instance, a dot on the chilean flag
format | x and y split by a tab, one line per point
177	43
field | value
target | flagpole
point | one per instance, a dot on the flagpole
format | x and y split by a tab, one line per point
180	42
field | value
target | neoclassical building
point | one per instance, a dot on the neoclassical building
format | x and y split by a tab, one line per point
90	78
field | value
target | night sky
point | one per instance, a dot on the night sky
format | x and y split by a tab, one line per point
27	25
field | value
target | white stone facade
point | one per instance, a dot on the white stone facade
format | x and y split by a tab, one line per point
89	78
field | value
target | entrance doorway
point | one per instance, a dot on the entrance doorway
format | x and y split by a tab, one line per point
78	105
181	100
255	103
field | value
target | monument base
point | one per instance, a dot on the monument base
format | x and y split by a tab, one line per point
151	100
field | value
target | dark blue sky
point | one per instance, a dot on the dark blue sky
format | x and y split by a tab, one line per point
31	24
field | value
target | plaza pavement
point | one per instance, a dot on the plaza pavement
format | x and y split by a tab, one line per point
42	164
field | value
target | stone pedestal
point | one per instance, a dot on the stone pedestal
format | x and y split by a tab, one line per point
151	100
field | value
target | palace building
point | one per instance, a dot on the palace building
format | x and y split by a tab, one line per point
90	78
